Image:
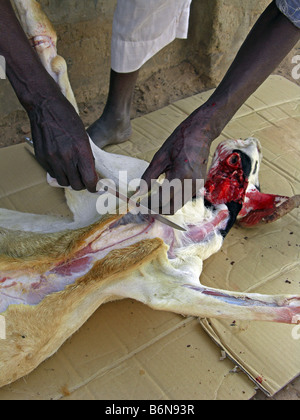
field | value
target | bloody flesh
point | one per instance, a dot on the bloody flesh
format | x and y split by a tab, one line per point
226	181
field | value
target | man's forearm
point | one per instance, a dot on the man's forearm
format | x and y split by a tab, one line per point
270	40
26	73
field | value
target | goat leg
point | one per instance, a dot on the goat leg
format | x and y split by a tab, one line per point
188	297
43	38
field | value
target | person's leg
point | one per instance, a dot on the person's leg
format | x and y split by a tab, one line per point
141	28
114	124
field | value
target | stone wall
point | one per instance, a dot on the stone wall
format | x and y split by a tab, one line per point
217	29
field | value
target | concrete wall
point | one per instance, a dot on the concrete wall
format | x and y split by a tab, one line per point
217	29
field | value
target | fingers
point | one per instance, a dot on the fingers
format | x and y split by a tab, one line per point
154	170
80	176
185	187
181	185
166	198
87	170
76	171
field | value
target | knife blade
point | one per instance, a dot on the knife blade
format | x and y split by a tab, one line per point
29	146
112	190
29	141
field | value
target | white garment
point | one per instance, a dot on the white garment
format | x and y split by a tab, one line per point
141	28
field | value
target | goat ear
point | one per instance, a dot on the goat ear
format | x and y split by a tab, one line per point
260	208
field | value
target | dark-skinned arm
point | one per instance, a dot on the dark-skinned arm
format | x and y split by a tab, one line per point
185	153
60	140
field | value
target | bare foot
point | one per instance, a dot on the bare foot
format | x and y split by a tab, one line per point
114	127
104	132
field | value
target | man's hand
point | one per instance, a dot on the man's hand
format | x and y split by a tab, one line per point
184	156
62	145
185	153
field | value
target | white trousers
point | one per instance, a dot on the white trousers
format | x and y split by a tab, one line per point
141	28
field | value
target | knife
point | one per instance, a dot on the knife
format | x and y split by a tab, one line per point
29	145
146	210
123	197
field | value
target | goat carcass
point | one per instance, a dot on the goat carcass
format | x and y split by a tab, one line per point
51	283
55	273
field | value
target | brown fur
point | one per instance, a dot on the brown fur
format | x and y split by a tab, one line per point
34	333
37	252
